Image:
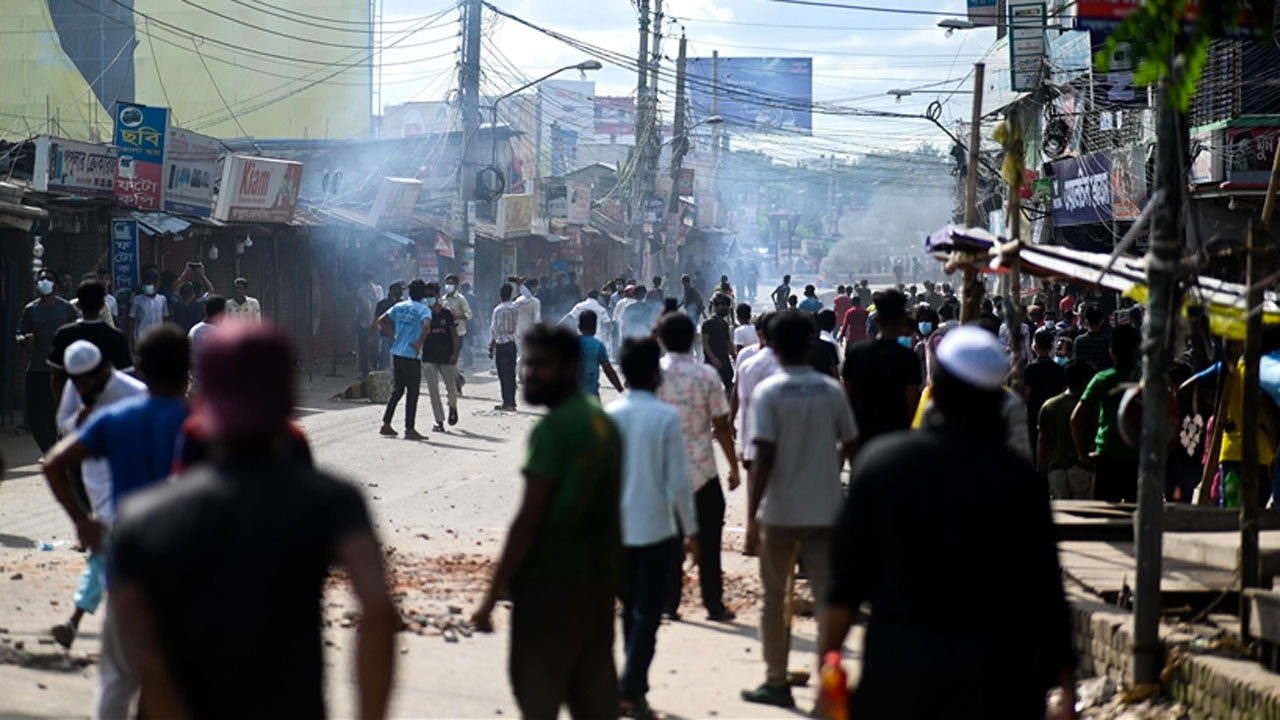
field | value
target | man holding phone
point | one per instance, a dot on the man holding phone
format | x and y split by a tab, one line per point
194	288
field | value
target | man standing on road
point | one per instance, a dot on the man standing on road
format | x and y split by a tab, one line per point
40	321
842	302
377	338
692	300
753	371
853	324
639	316
250	528
657	507
897	542
367	297
1055	451
148	309
560	562
528	304
744	335
696	392
1094	345
411	322
794	491
781	293
1113	461
604	325
882	376
1044	379
503	334
137	438
440	357
462	314
715	341
241	305
810	304
594	358
214	312
114	346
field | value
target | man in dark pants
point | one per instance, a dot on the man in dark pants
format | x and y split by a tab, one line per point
40	321
657	506
1114	463
502	345
716	340
695	391
560	560
411	322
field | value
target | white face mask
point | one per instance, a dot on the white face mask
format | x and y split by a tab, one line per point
448	288
149	289
45	287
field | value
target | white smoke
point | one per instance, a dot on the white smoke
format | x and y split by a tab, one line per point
891	225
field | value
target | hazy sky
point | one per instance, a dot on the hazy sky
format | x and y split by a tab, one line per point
857	55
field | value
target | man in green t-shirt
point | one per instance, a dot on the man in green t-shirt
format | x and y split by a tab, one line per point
560	561
1114	463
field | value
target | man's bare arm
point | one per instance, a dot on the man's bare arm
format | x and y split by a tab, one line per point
610	373
68	453
724	436
375	657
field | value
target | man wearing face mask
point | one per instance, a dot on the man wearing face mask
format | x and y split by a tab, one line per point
148	308
1044	379
882	375
457	304
37	327
715	340
92	387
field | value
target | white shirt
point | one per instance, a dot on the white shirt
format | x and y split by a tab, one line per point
590	304
250	309
147	311
655	470
530	309
826	335
97	473
367	297
620	305
746	353
745	336
752	373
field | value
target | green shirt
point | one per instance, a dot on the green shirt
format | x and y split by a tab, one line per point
1104	390
578	449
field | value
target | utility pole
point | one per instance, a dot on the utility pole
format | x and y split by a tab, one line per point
1013	307
654	146
970	292
640	153
469	84
678	148
1163	260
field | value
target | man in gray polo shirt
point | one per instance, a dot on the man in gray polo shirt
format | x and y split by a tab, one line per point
804	431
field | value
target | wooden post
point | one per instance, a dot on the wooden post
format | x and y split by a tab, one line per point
1013	306
970	298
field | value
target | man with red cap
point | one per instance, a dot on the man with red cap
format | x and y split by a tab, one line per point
218	575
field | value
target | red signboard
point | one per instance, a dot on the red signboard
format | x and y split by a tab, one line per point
1121	9
138	183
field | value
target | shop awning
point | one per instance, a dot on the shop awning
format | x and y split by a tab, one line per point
158	223
395	237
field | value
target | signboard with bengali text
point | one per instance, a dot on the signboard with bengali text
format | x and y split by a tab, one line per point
74	167
190	164
140	145
124	253
257	189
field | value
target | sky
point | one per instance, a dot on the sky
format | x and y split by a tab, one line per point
857	56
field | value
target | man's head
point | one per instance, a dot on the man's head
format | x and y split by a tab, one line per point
214	307
685	280
532	284
1124	346
857	301
593	294
551	357
810	291
432	290
450	283
743	313
640	293
792	302
1093	316
639	358
465	287
86	368
149	280
891	312
786	279
657	282
1079	373
91	296
239	404
366	276
1042	341
827	320
762	326
187	292
417	289
571	275
721	304
395	291
724	279
676	332
504	292
241	289
587	322
164	359
946	313
791	336
839	290
972	365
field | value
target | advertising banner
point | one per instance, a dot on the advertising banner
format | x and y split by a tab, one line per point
1027	47
686	185
190	162
984	12
1249	154
74	167
124	254
140	142
1082	190
564	150
1128	182
753	92
395	200
578	211
654	208
515	217
615	117
257	189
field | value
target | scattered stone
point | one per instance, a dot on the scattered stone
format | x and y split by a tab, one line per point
45	641
16	576
404	649
455	610
20	645
450	635
42	686
4	631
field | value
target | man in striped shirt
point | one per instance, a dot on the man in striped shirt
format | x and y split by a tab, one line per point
502	345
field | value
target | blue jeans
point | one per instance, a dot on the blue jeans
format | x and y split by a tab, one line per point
647	571
92	580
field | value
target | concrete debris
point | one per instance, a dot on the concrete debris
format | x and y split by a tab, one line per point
450	636
55	660
16	576
1104	699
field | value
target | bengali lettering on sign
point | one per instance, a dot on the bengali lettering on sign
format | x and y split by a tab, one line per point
140	145
1082	190
257	189
74	167
190	163
124	253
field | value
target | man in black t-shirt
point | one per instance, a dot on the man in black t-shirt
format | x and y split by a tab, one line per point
440	357
826	354
1044	379
91	297
882	376
715	340
218	576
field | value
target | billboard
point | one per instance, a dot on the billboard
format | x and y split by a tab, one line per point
190	162
564	150
74	167
1249	154
396	199
753	92
257	189
139	139
984	12
569	105
1082	190
515	217
615	116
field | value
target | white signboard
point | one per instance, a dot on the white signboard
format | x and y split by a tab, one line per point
74	167
1027	46
190	164
396	199
257	189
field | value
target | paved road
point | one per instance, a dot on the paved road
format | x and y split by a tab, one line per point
441	507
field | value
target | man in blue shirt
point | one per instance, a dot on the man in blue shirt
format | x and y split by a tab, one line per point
810	303
410	320
594	357
137	438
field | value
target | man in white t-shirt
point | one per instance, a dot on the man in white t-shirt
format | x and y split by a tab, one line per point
148	308
745	334
214	311
92	387
240	305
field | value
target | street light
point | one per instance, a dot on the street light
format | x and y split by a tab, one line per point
710	120
952	24
493	129
899	94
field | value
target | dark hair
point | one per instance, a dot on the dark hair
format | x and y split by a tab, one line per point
1124	344
743	312
164	358
1093	314
531	283
827	320
791	335
946	312
91	295
504	292
810	290
1043	338
957	399
417	289
593	293
433	287
148	276
558	341
676	332
839	289
639	293
188	289
639	359
786	278
891	309
587	323
1079	373
670	305
762	324
451	278
397	285
214	306
240	281
857	300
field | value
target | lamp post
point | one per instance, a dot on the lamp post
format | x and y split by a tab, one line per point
493	129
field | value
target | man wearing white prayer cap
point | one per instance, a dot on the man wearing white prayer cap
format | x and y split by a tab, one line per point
950	506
